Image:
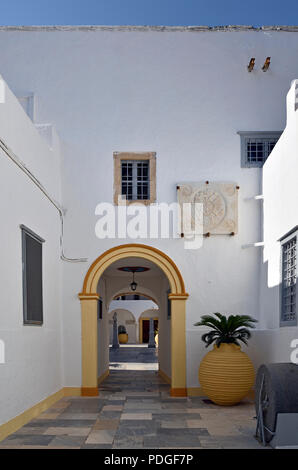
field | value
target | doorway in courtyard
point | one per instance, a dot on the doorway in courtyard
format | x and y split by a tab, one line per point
136	312
137	317
133	317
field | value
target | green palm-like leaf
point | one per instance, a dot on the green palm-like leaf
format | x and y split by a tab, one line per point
231	329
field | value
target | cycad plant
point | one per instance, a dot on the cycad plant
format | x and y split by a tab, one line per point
231	329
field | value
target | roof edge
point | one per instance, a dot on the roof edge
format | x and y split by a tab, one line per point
149	28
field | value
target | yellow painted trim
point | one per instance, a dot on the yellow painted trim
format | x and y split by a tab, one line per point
178	347
89	391
178	392
178	296
89	297
150	253
72	391
164	376
16	423
89	345
103	376
141	319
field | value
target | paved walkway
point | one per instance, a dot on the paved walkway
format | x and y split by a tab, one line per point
133	357
134	410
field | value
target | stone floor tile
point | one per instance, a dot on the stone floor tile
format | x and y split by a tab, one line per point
40	447
48	415
110	415
124	432
101	437
112	408
76	416
106	424
27	439
68	431
183	432
135	410
132	405
117	398
63	423
30	430
159	442
96	446
142	416
222	430
174	424
5	447
67	442
239	443
129	442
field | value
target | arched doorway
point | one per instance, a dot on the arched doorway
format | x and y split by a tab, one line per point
89	307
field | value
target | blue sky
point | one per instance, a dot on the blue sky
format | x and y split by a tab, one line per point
152	12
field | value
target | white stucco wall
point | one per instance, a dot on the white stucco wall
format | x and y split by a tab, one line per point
183	95
280	192
33	367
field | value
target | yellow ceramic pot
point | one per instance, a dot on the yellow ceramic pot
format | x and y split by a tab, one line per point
123	338
226	374
156	339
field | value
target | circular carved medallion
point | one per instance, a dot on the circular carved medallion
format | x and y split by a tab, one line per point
214	207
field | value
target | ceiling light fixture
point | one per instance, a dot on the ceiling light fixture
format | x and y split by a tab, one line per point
133	284
133	270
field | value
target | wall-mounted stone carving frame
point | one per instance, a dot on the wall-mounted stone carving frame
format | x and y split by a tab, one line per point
220	204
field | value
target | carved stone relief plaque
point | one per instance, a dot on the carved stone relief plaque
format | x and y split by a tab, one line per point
220	205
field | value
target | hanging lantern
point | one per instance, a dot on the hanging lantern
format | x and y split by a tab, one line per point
133	284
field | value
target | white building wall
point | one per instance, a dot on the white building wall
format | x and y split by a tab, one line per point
280	192
33	367
181	94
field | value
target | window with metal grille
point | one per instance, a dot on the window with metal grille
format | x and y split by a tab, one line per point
135	182
256	147
32	277
289	280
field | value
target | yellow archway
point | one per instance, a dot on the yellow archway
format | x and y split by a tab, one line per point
89	299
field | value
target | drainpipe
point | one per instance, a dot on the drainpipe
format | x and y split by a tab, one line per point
37	183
